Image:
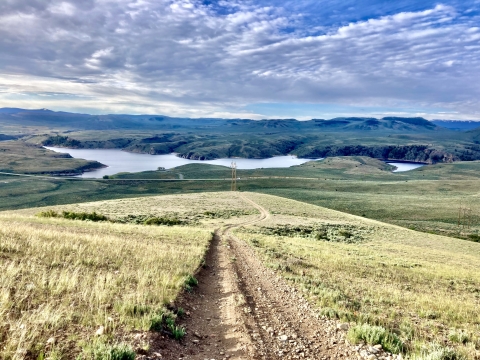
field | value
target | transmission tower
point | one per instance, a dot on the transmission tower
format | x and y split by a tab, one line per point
234	176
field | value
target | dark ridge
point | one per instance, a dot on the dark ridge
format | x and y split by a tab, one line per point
458	125
414	121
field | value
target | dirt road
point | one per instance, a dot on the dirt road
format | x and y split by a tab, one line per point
242	310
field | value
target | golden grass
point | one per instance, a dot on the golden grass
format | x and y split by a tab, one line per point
422	286
63	279
189	207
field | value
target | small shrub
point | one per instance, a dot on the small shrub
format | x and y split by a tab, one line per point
321	234
255	242
48	214
374	335
163	221
165	321
101	351
106	177
83	216
177	332
121	352
345	233
474	237
191	281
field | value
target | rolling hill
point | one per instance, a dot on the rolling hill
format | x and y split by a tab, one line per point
273	262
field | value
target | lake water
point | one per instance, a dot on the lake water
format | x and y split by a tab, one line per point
405	166
122	161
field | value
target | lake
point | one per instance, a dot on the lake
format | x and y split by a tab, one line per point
405	166
122	161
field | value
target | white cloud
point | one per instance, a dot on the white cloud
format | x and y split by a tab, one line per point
181	57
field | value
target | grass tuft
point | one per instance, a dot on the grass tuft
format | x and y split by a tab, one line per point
458	336
439	352
374	335
102	351
190	282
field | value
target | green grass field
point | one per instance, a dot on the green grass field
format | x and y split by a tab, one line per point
427	199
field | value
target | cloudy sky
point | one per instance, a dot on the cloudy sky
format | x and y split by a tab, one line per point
250	59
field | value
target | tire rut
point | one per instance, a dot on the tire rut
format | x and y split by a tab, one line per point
242	310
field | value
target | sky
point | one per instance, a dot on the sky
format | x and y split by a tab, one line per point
243	59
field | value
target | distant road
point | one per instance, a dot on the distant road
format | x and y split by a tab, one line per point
100	179
181	178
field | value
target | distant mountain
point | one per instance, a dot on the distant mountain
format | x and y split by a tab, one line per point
4	137
10	110
73	121
385	124
457	125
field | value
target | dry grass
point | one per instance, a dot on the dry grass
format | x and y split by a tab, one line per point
63	279
424	287
206	208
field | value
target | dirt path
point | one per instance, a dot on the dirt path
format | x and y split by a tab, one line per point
242	310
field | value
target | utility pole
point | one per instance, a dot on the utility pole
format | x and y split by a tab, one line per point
459	216
464	217
234	176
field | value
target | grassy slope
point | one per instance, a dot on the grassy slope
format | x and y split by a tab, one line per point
425	288
56	283
421	286
426	199
24	158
